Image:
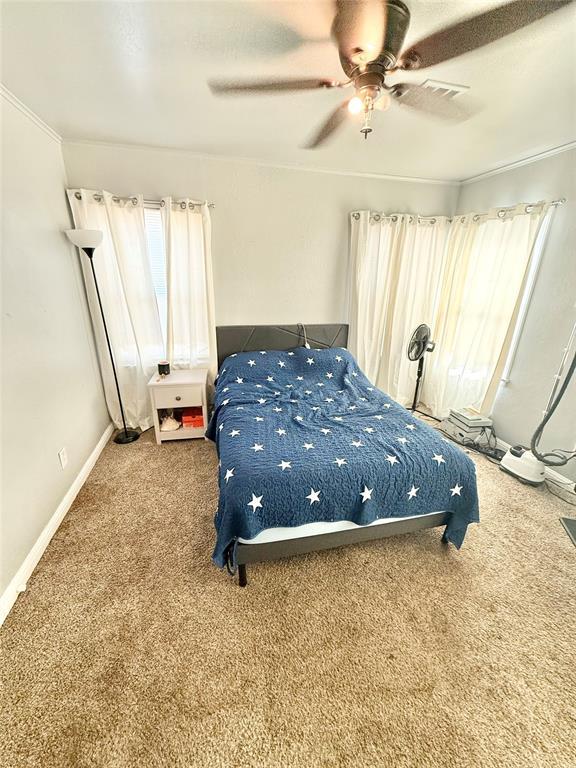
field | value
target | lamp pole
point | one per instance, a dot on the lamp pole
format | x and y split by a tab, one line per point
81	239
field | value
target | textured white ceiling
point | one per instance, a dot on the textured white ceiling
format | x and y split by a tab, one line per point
136	72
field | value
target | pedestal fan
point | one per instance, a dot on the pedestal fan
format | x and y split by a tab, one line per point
418	345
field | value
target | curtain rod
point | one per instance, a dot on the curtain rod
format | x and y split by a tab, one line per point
432	219
134	200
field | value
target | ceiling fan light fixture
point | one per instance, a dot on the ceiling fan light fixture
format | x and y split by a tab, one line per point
355	105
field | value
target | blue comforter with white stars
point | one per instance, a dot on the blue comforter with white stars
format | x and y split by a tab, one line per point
303	436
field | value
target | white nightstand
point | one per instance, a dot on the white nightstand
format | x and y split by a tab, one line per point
180	389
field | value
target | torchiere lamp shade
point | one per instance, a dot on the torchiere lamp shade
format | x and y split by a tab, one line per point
85	238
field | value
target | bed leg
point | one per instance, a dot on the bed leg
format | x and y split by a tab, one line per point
242	580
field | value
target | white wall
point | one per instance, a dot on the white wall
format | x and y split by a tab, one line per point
51	388
280	236
552	311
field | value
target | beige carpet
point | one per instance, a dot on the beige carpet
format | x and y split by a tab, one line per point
131	649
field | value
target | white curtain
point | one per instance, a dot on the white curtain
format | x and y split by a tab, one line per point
127	293
486	261
463	277
397	262
191	335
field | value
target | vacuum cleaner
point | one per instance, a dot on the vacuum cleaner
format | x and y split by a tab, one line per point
529	464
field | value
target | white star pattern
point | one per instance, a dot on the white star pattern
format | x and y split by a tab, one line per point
456	490
412	492
234	433
239	380
340	462
299	378
308	446
307	391
280	431
338	418
366	494
257	447
325	431
379	417
259	386
225	402
299	418
329	375
221	427
291	354
403	440
439	459
229	474
319	384
258	418
352	408
277	410
386	405
256	502
369	429
261	400
251	363
285	465
310	361
225	389
269	378
392	459
357	443
328	399
281	363
262	352
314	496
338	358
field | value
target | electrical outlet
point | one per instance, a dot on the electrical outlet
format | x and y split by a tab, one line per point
63	456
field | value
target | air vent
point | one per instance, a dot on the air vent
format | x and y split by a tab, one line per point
446	90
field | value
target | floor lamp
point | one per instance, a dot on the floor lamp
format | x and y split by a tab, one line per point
88	240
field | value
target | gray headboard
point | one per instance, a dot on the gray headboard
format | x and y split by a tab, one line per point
252	338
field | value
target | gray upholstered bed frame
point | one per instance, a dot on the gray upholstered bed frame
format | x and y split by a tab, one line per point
252	338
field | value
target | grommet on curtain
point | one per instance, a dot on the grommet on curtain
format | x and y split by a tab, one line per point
183	205
529	208
394	218
410	220
356	216
134	201
376	217
476	218
501	213
162	203
78	195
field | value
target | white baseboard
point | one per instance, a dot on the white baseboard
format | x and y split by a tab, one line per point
18	583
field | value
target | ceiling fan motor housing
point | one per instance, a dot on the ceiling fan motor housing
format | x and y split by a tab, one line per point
397	19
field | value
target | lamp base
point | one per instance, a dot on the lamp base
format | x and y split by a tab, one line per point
126	436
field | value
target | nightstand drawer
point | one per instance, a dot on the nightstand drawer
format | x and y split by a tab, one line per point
177	397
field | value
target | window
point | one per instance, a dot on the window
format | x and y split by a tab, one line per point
157	257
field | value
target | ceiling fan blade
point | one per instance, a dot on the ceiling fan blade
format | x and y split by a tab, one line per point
359	28
335	119
426	100
270	86
476	31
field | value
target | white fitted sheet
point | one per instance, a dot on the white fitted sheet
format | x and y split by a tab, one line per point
315	529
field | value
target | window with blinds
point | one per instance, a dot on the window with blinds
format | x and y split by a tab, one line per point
157	257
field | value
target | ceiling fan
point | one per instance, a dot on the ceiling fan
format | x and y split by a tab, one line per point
370	34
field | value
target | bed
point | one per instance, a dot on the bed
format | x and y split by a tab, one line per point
313	456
